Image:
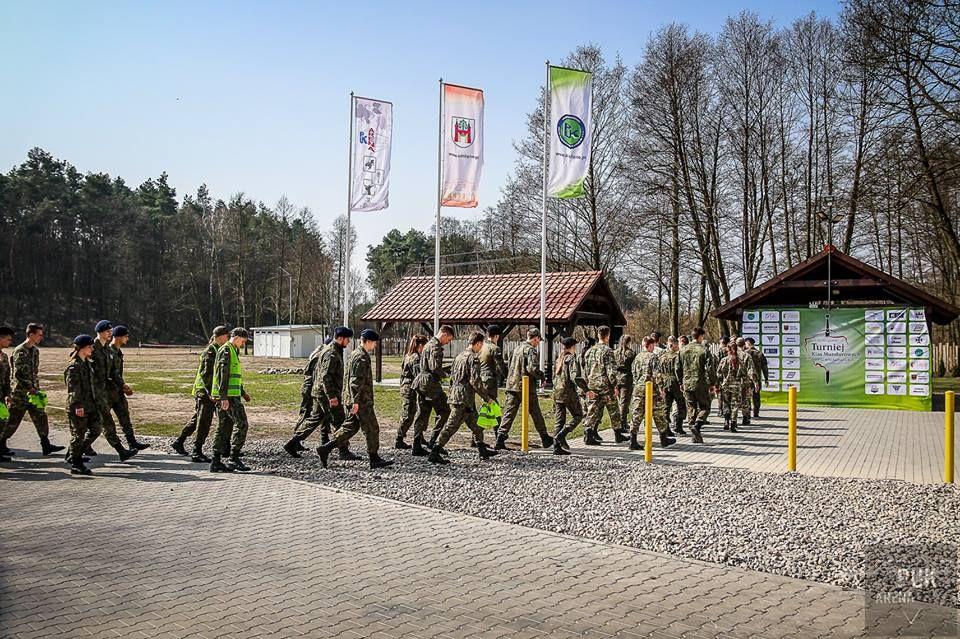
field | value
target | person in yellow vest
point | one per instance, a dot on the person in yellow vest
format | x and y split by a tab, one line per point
228	392
205	404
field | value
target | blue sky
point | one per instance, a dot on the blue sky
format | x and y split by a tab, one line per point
253	97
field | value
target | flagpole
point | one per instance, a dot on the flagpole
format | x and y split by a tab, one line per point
543	230
436	257
346	250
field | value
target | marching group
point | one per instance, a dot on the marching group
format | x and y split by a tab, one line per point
337	394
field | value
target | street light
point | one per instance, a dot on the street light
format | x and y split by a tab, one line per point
825	213
289	301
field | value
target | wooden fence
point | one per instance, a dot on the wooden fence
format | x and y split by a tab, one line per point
948	354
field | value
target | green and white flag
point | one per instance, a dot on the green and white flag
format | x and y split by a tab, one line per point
571	94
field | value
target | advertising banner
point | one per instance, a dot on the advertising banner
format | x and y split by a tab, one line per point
571	95
865	358
462	146
373	135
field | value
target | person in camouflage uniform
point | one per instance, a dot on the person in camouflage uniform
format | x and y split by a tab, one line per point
295	446
761	370
671	374
410	398
645	369
731	375
6	338
623	356
601	374
358	395
120	390
698	381
205	407
493	369
82	410
525	362
229	394
26	382
724	343
465	385
429	384
329	413
104	383
568	383
749	379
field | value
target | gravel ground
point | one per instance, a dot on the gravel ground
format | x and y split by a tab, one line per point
800	526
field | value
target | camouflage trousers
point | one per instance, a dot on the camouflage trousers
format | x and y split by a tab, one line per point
438	404
461	414
623	399
200	422
121	409
83	430
231	429
365	419
512	403
595	408
560	410
19	406
410	402
306	405
698	405
640	412
732	402
674	397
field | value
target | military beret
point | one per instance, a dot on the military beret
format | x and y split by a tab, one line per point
103	325
82	341
493	329
239	332
750	340
6	330
120	331
327	340
342	331
568	342
369	335
220	331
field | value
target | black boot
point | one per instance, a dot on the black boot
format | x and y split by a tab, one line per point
400	444
89	451
560	439
324	450
419	450
745	421
501	442
133	443
433	440
726	422
436	458
178	447
376	461
300	446
6	452
697	438
485	451
620	436
590	438
733	425
324	438
680	430
80	469
670	433
346	455
5	459
199	458
634	444
293	447
217	466
667	441
237	464
558	448
546	441
126	453
47	448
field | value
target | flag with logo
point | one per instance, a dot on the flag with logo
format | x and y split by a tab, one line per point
463	145
571	94
372	138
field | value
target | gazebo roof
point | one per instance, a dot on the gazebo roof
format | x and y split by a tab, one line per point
853	281
514	298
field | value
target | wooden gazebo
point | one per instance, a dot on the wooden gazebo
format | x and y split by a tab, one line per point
573	298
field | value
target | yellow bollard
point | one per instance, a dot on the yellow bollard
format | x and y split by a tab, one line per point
792	429
525	414
948	438
648	423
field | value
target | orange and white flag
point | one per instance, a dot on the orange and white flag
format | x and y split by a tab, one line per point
462	147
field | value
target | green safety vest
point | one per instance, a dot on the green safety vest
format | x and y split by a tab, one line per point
236	374
198	380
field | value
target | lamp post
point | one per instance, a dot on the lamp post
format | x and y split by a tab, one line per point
826	214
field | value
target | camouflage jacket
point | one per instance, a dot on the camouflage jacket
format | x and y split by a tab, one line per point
524	361
103	371
78	378
749	371
328	376
732	374
4	376
118	382
26	367
431	369
358	379
760	367
306	387
493	370
465	381
645	368
669	372
623	358
698	367
208	359
569	381
409	370
601	369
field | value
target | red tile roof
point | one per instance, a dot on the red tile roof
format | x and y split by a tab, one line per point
512	297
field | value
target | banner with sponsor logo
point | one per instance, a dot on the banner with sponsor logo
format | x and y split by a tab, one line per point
868	358
570	132
372	139
462	147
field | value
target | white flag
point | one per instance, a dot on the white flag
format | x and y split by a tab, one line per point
571	130
372	138
463	146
